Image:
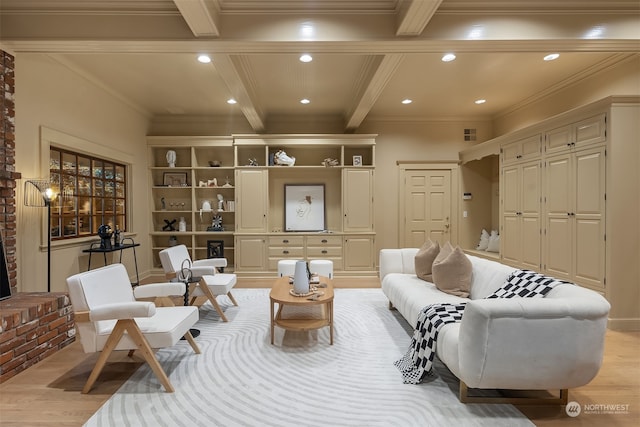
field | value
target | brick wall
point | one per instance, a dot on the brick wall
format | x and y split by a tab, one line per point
32	325
8	175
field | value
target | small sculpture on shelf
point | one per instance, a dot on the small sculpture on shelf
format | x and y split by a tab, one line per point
215	163
253	161
330	162
282	159
220	202
163	205
171	158
227	183
169	225
173	240
216	224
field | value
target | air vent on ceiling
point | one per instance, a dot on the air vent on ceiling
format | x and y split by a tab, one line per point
469	134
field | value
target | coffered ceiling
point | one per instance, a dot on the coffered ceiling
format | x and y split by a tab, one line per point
368	56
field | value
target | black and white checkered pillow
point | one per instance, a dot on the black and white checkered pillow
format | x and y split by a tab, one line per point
526	284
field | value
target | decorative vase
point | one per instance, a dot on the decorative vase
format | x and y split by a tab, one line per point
182	224
173	240
301	278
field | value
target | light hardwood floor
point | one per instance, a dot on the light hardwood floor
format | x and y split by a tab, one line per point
49	392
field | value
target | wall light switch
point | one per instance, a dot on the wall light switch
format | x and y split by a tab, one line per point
465	214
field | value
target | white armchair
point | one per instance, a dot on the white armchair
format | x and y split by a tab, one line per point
210	282
109	318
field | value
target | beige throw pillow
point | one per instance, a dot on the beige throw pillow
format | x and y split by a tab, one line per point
452	271
424	259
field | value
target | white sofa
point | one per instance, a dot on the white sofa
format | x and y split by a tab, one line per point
556	342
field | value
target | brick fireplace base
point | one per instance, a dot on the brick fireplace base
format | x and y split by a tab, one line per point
33	326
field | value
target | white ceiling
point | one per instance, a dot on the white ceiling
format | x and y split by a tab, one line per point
368	55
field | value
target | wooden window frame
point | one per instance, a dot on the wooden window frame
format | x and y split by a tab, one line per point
91	191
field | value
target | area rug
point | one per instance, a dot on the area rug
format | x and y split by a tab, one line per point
240	379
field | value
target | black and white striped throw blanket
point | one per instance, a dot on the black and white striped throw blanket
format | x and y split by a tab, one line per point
418	360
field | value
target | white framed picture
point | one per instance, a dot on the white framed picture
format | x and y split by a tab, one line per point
304	207
357	160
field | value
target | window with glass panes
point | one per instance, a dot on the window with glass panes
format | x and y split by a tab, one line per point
91	192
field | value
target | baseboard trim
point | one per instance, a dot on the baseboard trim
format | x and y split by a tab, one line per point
624	325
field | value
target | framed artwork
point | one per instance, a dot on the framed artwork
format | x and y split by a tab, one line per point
215	248
174	179
304	208
357	160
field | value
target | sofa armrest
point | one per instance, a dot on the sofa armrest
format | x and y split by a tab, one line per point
211	262
127	310
532	343
397	261
153	290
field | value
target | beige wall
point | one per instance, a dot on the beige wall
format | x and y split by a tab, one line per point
49	94
623	79
428	141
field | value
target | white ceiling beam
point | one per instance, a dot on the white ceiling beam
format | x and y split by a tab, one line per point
380	71
202	16
237	76
415	15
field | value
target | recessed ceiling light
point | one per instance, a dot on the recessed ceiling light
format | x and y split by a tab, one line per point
231	101
205	59
551	56
480	101
304	101
407	101
306	58
448	57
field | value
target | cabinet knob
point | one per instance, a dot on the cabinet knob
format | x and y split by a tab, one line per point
324	252
285	252
285	241
324	240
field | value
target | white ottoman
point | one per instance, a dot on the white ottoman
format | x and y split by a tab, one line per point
323	267
286	267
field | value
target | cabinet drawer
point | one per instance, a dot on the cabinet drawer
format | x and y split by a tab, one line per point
286	241
286	252
324	241
324	252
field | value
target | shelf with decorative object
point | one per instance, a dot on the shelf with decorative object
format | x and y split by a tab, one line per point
231	193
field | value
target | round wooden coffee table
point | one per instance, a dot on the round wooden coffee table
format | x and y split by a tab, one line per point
280	294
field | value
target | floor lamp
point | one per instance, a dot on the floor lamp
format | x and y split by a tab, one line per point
38	193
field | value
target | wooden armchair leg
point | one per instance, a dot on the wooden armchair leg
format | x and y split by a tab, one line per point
233	300
111	344
213	300
147	352
192	342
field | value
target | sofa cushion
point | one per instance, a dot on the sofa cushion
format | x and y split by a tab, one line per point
452	271
424	259
410	295
494	242
483	244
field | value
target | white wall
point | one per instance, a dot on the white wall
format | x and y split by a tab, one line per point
50	94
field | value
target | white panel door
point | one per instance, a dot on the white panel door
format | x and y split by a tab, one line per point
427	198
